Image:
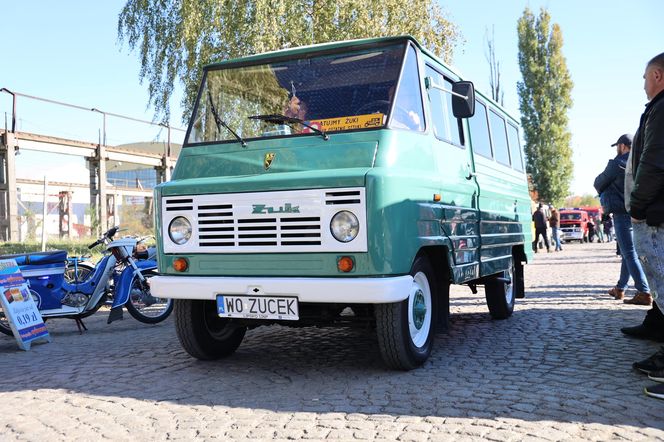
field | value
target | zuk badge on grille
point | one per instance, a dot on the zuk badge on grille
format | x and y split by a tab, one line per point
267	162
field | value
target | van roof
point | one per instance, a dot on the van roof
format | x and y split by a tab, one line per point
297	50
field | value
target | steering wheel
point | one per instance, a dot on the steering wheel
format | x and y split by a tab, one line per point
376	106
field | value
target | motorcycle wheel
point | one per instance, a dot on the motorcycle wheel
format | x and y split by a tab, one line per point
79	273
4	324
143	306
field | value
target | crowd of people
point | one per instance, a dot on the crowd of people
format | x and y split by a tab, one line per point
631	190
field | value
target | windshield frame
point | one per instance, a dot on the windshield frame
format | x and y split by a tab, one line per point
405	43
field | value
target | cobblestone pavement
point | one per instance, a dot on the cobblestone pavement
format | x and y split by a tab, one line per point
558	369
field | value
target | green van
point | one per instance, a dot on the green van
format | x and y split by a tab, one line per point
341	184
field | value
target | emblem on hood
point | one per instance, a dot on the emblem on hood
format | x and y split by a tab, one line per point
267	161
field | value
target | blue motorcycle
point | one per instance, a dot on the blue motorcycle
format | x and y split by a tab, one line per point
67	288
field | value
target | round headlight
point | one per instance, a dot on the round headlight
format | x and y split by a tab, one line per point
344	226
179	230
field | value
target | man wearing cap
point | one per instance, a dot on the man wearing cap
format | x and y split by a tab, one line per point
610	185
646	206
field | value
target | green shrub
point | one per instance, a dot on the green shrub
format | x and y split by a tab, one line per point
73	247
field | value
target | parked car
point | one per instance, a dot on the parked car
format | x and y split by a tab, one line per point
574	224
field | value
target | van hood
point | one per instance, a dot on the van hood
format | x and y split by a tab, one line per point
330	178
272	157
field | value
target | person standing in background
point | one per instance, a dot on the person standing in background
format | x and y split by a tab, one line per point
610	185
599	229
646	205
540	228
554	223
607	226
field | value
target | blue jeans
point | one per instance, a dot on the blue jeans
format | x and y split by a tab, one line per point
649	243
556	237
622	224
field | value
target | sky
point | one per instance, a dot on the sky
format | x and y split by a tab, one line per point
68	51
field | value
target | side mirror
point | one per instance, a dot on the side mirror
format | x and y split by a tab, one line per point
463	99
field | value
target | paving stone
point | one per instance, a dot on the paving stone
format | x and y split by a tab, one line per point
558	369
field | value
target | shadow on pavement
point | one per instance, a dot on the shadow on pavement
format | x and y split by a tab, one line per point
569	365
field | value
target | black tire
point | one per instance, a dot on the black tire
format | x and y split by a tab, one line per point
406	329
202	333
500	295
143	306
4	324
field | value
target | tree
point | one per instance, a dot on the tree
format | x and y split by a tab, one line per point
177	38
497	93
581	201
544	99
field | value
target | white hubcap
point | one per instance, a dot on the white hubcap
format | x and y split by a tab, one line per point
419	310
509	288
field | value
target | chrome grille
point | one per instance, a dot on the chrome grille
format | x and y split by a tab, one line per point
283	221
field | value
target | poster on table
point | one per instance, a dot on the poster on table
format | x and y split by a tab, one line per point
18	306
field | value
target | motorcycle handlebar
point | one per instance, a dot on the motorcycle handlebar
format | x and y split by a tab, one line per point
110	233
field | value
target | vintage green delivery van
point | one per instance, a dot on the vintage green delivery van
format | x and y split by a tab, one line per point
341	184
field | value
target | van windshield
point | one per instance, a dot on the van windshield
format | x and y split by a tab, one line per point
342	91
570	216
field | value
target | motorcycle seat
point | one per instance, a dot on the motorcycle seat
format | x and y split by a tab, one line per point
37	258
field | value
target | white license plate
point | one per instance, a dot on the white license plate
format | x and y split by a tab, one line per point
258	307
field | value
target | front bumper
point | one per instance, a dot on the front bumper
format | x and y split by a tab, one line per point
314	290
572	234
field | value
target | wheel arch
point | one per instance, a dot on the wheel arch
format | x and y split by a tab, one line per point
519	258
440	258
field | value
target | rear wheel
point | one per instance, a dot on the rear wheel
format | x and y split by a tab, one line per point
405	329
500	291
202	333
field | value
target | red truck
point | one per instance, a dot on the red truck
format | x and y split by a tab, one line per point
574	225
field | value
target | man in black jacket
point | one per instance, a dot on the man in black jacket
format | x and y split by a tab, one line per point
646	203
540	227
610	185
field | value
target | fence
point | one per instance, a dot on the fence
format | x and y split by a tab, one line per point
89	186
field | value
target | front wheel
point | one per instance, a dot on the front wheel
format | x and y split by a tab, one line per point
4	324
500	292
202	333
405	329
79	272
143	306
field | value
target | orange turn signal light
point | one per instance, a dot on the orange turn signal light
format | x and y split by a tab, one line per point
345	264
180	264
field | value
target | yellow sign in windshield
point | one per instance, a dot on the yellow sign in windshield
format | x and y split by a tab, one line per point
348	123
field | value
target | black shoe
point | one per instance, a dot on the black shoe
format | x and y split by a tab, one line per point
656	391
651	364
644	332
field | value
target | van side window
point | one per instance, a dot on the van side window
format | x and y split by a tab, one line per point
515	148
499	138
445	125
408	112
479	131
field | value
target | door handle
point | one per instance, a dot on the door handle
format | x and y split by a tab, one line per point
469	173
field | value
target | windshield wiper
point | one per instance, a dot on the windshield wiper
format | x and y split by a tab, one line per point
280	119
221	122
